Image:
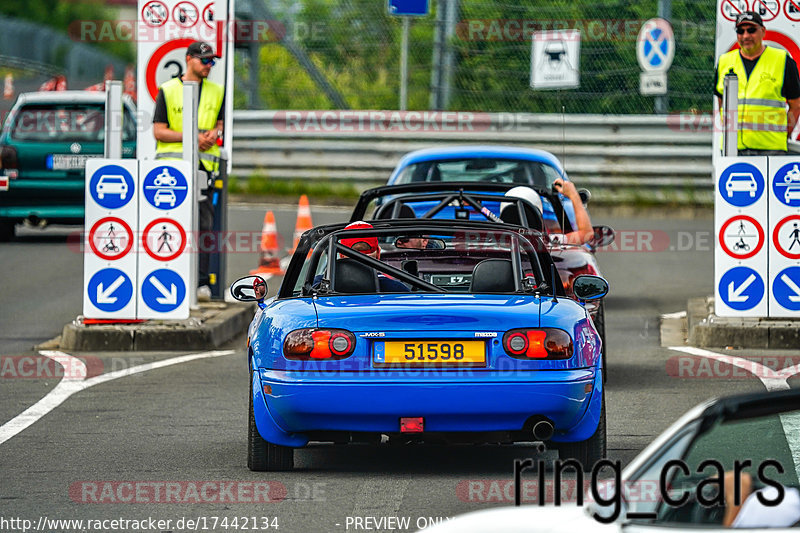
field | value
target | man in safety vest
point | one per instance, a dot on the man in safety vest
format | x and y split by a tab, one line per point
768	80
168	131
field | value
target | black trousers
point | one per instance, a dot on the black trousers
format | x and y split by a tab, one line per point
205	224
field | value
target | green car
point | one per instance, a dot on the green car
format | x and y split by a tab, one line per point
43	150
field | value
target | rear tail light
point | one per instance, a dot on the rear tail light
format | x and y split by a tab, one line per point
567	277
319	344
8	160
543	343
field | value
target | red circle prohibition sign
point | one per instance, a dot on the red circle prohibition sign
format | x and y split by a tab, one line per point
733	5
770	15
757	247
779	225
127	229
163	6
150	252
155	59
785	41
796	4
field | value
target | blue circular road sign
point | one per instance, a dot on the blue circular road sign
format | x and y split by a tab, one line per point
741	288
110	290
165	188
786	184
786	288
112	186
741	184
163	290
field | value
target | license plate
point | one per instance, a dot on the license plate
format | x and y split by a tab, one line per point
457	352
68	161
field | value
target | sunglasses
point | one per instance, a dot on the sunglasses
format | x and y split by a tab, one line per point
749	29
207	60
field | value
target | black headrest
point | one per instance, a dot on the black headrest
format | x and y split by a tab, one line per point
386	210
493	275
510	215
354	277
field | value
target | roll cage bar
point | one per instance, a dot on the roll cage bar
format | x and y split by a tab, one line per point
311	239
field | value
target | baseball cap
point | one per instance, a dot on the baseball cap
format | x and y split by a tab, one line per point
201	50
372	242
750	17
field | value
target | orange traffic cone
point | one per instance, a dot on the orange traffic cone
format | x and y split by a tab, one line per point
269	263
303	221
8	87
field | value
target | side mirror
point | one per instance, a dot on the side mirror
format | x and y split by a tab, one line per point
585	195
588	287
603	236
249	289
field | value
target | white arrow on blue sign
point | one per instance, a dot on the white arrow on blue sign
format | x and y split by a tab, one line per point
163	290
786	288
741	288
110	290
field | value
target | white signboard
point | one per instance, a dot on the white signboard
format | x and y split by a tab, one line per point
110	244
166	28
653	83
165	217
555	59
740	253
781	18
784	229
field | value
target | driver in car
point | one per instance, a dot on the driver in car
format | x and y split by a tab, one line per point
752	513
369	246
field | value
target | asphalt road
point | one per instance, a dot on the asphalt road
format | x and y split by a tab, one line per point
130	447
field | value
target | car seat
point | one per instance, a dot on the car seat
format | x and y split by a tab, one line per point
386	210
354	277
493	275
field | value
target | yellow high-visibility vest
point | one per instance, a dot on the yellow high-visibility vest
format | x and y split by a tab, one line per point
762	109
211	96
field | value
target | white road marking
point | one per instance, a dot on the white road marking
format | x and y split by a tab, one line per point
773	380
69	385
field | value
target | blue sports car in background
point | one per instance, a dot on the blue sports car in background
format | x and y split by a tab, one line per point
487	164
433	331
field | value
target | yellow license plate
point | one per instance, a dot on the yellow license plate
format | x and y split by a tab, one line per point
431	352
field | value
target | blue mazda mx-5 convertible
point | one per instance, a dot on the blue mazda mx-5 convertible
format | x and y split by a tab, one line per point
423	330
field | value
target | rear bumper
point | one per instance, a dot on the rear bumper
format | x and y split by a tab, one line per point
297	404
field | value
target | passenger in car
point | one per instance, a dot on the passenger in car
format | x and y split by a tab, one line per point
584	233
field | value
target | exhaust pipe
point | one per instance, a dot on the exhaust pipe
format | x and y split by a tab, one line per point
543	430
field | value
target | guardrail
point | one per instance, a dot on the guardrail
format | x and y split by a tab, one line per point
648	156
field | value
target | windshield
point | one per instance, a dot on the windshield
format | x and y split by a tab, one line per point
66	123
765	448
493	170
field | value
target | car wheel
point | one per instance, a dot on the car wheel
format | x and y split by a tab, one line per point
6	231
589	451
600	326
262	455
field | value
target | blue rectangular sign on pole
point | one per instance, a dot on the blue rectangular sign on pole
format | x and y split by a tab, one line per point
409	8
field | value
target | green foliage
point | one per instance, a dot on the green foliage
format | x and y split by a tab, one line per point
356	45
59	14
